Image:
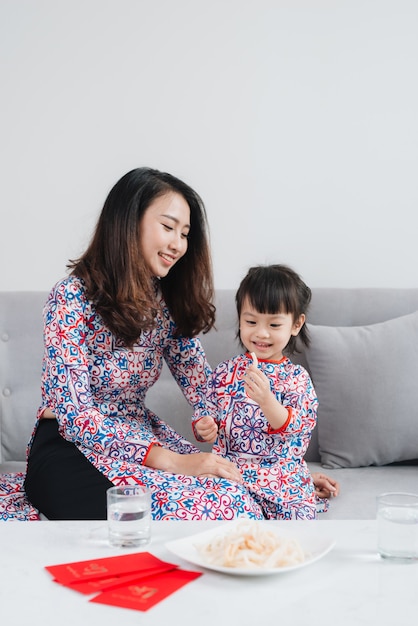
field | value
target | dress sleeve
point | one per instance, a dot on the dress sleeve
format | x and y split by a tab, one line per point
187	362
67	384
211	406
299	397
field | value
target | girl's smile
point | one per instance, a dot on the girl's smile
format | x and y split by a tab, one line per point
267	334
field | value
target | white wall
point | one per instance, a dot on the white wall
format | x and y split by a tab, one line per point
295	120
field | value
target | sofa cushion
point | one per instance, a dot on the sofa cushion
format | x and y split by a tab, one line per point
366	381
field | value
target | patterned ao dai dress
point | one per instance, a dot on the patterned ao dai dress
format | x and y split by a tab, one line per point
271	461
96	388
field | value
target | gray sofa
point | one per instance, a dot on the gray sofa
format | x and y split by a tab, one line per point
363	360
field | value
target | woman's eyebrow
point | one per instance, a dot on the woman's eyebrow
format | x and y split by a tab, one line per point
174	219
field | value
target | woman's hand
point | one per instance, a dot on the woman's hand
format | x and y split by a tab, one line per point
198	464
325	487
206	428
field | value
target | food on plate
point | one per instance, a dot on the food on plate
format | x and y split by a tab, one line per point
251	545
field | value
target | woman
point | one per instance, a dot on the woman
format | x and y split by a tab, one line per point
140	294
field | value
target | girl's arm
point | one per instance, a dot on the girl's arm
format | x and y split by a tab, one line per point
257	386
296	412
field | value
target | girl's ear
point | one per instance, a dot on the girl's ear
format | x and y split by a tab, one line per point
298	324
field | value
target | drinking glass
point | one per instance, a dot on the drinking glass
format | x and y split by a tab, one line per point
129	515
397	525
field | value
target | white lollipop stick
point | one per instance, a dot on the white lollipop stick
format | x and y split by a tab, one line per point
254	358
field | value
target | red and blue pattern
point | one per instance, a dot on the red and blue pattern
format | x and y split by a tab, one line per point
96	387
271	462
14	504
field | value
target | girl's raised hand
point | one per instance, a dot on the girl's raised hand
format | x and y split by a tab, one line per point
257	385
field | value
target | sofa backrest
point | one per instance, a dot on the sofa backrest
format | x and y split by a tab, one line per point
20	369
329	307
21	353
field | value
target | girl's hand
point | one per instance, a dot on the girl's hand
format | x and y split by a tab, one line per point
206	428
325	487
257	385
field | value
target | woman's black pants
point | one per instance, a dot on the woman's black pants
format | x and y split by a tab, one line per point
60	482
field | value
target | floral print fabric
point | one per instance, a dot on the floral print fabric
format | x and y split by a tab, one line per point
14	504
96	387
271	462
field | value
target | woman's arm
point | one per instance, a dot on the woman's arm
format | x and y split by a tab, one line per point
67	386
199	464
68	329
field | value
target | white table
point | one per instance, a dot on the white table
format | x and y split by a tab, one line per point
350	586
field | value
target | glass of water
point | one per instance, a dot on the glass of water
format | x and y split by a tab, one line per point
397	525
129	515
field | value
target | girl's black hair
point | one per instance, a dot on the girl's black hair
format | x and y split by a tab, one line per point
276	289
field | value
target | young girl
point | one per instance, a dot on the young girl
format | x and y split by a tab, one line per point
261	408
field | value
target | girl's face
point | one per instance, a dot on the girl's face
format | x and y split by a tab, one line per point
163	234
265	334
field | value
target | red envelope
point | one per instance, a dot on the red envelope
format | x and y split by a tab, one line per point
102	584
148	591
105	568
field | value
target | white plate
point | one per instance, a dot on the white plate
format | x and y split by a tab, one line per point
313	543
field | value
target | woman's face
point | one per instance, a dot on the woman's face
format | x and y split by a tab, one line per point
164	230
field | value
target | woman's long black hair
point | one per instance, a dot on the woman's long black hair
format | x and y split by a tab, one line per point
116	276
